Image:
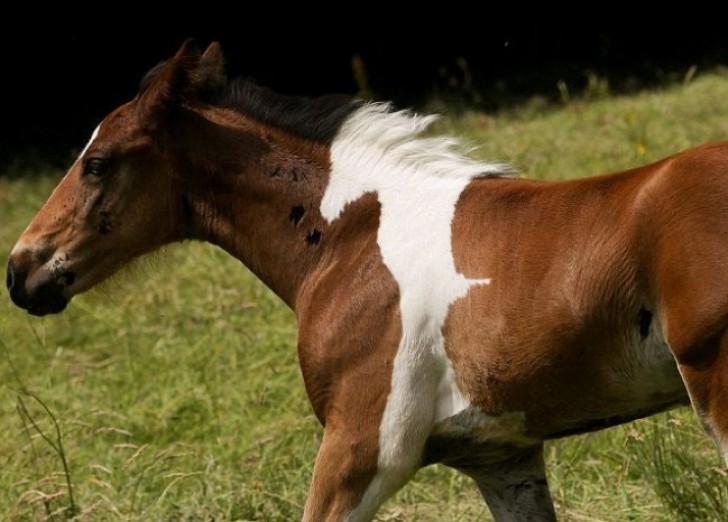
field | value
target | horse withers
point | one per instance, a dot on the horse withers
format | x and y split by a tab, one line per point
448	312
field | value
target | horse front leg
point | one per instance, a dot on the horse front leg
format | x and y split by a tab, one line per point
348	483
369	450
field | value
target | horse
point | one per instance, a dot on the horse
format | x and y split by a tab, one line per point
448	311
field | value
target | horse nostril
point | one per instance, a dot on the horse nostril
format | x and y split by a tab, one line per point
15	281
10	277
67	278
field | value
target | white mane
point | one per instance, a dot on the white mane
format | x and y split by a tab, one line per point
375	130
377	147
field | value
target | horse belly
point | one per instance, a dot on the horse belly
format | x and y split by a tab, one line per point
640	381
524	388
646	383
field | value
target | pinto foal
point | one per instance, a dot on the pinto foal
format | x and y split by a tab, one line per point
447	312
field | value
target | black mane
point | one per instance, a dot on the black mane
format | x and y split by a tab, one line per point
316	119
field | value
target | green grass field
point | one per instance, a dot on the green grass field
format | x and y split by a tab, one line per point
174	393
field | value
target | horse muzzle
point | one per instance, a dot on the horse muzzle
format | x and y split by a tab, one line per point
41	293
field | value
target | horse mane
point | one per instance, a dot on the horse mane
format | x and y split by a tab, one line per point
396	132
317	119
377	133
323	118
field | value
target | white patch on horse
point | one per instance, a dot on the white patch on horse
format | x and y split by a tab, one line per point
418	183
20	246
88	145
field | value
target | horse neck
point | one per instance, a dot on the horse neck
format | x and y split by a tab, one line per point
256	193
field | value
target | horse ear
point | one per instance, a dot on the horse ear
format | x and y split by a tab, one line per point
210	74
180	78
177	74
188	49
212	64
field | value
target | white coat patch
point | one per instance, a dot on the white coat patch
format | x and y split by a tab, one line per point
418	182
88	145
20	245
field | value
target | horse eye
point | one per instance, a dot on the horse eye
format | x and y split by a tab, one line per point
95	167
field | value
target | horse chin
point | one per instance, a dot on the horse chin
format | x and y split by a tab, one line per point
47	307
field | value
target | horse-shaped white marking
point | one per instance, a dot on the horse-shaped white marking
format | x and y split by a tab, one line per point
418	183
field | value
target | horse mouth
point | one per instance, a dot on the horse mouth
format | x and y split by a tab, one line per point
53	305
43	299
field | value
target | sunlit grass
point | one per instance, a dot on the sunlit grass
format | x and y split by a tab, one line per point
177	391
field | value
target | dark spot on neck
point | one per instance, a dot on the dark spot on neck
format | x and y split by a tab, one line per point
296	214
644	320
313	237
284	172
187	211
105	224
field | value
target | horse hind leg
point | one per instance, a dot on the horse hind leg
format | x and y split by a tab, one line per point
695	325
703	365
516	490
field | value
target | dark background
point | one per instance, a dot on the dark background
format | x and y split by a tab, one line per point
60	77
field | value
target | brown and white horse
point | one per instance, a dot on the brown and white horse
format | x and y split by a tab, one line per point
447	312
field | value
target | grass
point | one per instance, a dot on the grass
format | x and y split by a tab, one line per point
175	395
